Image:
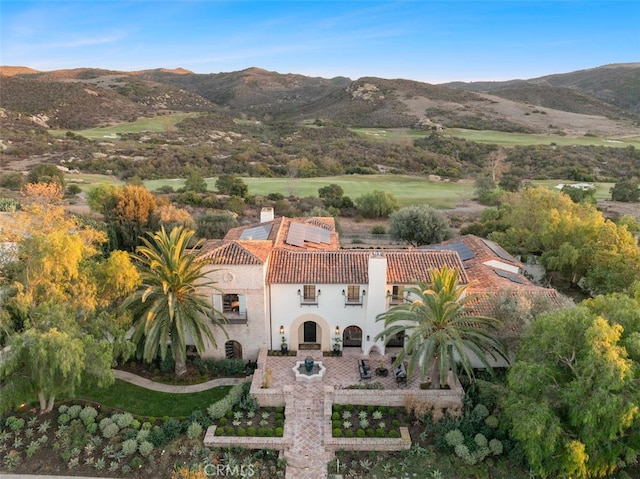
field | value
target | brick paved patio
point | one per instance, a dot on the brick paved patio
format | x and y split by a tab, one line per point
308	406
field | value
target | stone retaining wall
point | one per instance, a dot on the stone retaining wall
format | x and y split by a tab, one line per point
438	398
366	443
265	397
249	442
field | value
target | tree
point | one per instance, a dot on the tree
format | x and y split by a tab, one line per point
331	195
626	190
129	212
580	195
486	190
418	225
510	182
46	173
195	182
441	328
52	358
168	305
573	239
215	225
64	330
231	185
376	204
573	396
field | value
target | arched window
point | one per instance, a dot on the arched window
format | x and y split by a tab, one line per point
233	350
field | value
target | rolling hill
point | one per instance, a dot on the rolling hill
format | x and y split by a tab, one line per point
604	100
616	84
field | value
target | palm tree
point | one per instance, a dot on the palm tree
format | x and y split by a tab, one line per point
441	327
168	305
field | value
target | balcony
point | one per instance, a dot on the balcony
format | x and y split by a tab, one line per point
353	301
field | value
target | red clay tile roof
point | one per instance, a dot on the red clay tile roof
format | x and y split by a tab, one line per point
248	252
407	267
351	267
318	267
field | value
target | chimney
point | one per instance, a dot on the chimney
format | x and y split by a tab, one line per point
266	214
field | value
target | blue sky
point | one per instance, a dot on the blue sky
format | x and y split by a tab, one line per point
432	41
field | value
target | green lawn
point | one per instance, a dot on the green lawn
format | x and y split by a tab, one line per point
400	135
144	402
155	124
407	189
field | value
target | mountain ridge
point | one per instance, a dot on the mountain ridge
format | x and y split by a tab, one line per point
595	101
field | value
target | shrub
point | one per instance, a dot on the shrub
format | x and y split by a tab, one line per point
279	432
157	437
201	417
88	415
92	428
380	432
335	416
110	430
105	422
142	435
337	432
130	446
194	431
348	433
495	446
462	451
220	431
125	420
172	429
454	437
223	421
360	433
394	434
336	423
371	432
480	440
251	431
395	423
378	230
241	431
62	419
74	411
492	421
221	407
480	411
63	409
270	431
337	407
135	424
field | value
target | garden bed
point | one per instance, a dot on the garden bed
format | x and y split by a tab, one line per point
262	422
368	421
90	440
199	370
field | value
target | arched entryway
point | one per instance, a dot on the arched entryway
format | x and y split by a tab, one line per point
352	337
233	350
396	341
309	334
301	336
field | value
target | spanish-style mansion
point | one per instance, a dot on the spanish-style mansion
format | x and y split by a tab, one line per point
288	280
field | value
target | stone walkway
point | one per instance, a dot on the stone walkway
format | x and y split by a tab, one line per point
170	388
304	429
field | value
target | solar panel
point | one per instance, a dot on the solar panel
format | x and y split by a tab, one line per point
299	233
257	232
459	247
296	234
510	276
499	250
